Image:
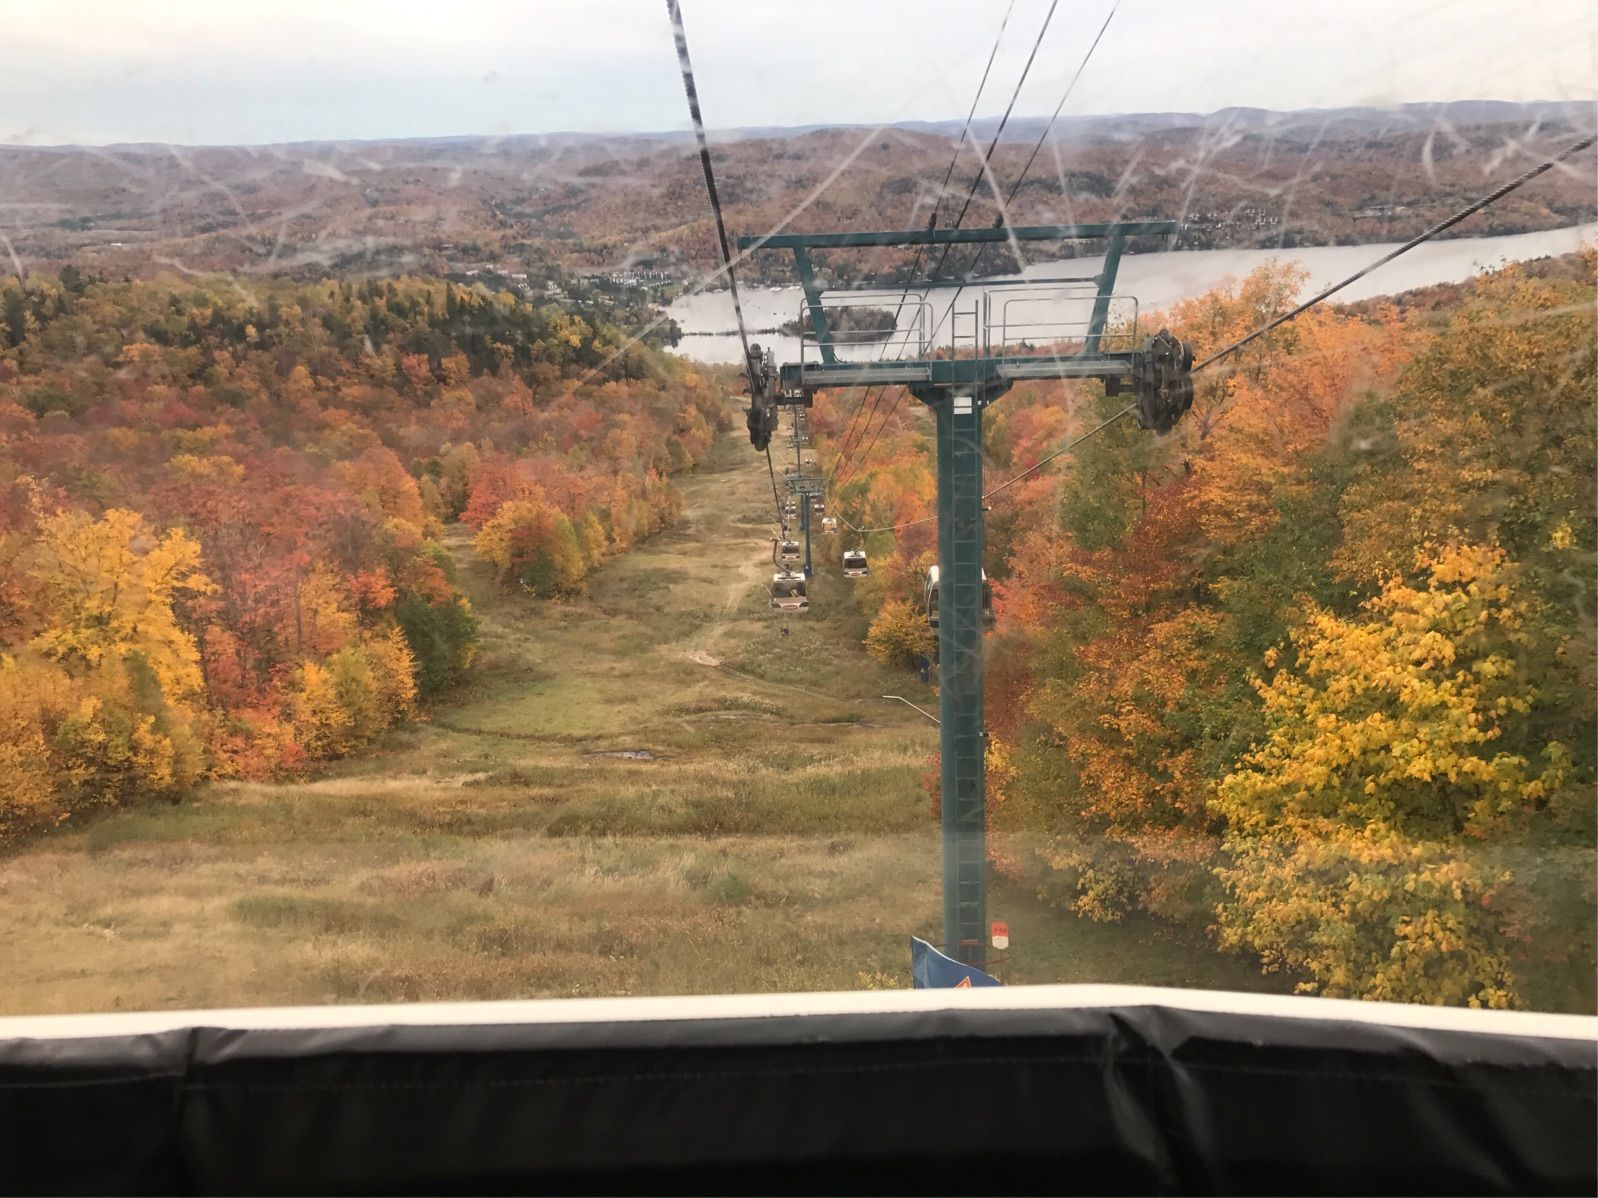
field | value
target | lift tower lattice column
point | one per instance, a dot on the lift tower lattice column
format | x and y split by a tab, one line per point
957	381
961	727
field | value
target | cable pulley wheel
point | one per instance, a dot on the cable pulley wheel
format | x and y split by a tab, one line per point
1163	382
761	369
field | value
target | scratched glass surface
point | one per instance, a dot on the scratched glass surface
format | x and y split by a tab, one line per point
1163	555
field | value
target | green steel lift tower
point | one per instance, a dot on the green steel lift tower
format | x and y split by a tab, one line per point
980	354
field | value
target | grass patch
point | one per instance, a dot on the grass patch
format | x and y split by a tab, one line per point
108	831
520	776
721	705
849	799
413	878
313	915
731	889
655	813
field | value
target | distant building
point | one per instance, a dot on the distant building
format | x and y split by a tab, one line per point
1249	216
629	278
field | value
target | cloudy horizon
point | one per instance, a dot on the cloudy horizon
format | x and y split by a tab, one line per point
91	72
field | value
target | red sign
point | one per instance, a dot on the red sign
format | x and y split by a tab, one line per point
1001	934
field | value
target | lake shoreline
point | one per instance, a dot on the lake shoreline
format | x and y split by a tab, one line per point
1145	283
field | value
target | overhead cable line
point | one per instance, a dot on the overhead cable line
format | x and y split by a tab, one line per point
776	498
680	35
1043	138
982	169
937	204
861	459
976	181
1042	462
1470	210
1015	188
1060	107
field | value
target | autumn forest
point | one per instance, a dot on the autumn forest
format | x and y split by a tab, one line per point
1315	673
219	533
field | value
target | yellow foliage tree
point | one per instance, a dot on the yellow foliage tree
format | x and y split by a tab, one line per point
899	635
322	725
324	619
532	541
1371	831
100	735
338	705
110	586
25	762
393	673
1491	436
592	535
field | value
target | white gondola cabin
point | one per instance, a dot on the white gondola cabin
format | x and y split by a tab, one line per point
829	524
854	563
788	551
932	599
788	592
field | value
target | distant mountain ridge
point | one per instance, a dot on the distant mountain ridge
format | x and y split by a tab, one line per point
1283	122
1461	112
537	208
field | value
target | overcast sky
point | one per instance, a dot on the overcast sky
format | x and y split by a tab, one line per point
247	71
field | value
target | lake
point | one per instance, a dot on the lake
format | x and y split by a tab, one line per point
1155	280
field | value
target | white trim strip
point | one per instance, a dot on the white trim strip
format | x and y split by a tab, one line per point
765	1006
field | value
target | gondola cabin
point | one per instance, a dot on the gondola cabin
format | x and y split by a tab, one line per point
854	563
788	551
788	592
932	599
829	524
